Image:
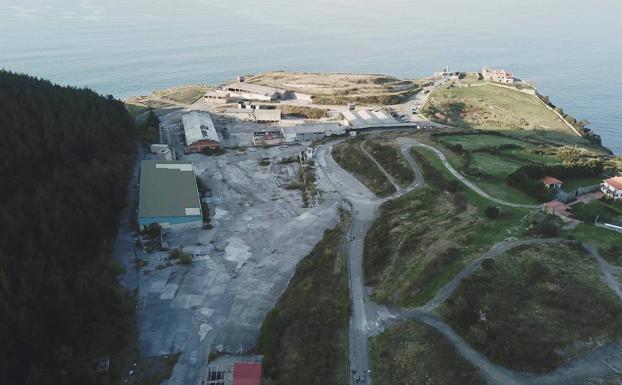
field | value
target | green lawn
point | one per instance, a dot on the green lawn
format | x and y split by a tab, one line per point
305	336
478	141
535	308
572	184
413	353
493	165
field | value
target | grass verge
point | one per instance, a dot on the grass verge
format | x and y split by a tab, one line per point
414	353
305	337
392	161
350	157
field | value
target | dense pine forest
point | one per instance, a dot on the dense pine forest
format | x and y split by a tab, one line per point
65	162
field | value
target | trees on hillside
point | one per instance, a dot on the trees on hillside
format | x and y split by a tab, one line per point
66	156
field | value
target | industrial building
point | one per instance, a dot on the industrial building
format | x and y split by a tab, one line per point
248	91
169	195
267	138
233	370
217	97
162	151
311	133
358	119
255	113
199	131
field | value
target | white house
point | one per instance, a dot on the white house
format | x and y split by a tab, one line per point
498	76
612	187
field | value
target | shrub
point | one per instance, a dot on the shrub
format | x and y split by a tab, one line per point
493	212
185	259
208	151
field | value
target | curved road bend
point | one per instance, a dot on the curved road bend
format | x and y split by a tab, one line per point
364	208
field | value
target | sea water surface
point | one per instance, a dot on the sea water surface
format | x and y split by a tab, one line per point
571	49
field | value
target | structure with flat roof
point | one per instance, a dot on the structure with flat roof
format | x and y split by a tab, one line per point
312	132
168	195
357	119
199	131
249	91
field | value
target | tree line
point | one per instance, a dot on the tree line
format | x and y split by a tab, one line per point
66	161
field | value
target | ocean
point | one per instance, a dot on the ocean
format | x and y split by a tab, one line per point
571	49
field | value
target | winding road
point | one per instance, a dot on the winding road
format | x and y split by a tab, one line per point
369	319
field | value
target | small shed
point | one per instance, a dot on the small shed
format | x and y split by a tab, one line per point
552	182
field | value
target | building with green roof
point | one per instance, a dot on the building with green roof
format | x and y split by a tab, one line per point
169	195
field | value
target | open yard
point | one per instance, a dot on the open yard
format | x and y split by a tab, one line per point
414	353
535	308
304	337
350	156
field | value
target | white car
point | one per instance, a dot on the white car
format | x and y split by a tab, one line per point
252	149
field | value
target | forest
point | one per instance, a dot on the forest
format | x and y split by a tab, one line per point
66	159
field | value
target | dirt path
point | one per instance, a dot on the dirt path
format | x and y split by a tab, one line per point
395	185
610	272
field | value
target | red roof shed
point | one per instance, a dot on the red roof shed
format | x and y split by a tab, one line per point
247	373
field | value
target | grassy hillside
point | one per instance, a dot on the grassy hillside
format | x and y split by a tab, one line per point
67	159
414	353
304	339
391	160
425	237
489	107
350	157
536	307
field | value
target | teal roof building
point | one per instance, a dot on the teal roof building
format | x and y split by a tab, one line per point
169	195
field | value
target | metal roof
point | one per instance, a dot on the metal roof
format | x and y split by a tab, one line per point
168	188
247	373
364	118
199	126
255	89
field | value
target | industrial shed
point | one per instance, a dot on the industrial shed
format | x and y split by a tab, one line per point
199	131
169	195
356	119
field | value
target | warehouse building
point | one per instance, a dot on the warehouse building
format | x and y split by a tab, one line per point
199	131
248	91
169	195
311	133
357	119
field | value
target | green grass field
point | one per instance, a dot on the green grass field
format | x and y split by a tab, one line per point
414	353
490	107
350	157
535	308
476	142
305	336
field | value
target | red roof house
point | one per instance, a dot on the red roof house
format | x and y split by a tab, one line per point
247	373
552	182
612	187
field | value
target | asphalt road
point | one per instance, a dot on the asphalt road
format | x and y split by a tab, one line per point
366	316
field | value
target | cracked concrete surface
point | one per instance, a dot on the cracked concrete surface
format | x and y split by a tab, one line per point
240	267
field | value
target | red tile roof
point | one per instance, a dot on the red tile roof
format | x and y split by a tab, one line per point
615	182
247	373
550	180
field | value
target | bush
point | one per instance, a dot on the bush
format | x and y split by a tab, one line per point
185	259
208	151
493	212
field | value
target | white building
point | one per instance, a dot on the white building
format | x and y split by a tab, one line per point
311	133
498	76
217	97
255	114
612	187
162	151
367	118
199	131
248	91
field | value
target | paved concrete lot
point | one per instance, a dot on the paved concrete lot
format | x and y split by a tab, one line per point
240	267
